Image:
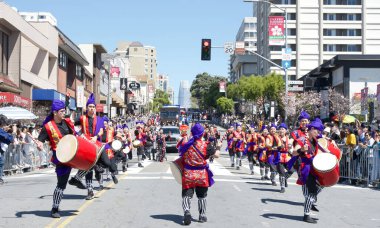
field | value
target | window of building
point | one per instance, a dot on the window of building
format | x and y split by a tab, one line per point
79	71
4	53
329	47
62	59
151	76
353	47
41	16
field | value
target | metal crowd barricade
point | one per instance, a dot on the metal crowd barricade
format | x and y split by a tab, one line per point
20	158
360	164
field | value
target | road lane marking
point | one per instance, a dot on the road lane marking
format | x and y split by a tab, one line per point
236	188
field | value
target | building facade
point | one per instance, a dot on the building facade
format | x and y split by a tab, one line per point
318	30
184	94
246	63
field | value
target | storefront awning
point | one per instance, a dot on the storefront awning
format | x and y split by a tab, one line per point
117	101
50	94
14	99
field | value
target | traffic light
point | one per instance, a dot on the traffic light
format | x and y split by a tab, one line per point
206	49
67	101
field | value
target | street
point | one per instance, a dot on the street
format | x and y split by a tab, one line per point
150	197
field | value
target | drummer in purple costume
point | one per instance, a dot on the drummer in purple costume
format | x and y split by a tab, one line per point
305	150
54	128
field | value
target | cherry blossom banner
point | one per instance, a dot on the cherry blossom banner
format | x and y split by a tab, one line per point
276	31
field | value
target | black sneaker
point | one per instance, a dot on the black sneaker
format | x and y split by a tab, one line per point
286	183
232	165
308	219
262	178
266	178
314	208
252	173
124	168
187	218
237	167
202	218
55	213
140	165
282	190
274	183
240	163
90	195
114	178
101	187
79	184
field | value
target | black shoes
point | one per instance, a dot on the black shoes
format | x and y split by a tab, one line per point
262	178
237	167
232	165
140	165
282	190
274	183
78	183
308	219
202	218
55	213
286	183
252	173
114	178
314	208
124	168
90	195
187	218
266	178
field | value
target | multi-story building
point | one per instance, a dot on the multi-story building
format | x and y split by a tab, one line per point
184	94
319	30
245	64
162	82
143	62
171	95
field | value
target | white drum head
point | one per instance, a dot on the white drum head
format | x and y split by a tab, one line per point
126	150
176	172
136	143
116	145
324	162
67	148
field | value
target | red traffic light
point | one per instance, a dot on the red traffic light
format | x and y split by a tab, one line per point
206	49
206	43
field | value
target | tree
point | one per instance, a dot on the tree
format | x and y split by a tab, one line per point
160	98
204	85
338	104
225	105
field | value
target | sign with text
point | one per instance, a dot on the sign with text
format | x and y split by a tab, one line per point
239	48
276	31
229	48
80	96
11	98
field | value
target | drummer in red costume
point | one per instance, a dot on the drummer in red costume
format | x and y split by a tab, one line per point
54	128
284	157
229	137
140	135
273	142
262	153
251	147
184	137
239	144
92	128
306	149
196	175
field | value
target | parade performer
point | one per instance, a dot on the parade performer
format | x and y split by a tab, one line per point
238	145
273	142
184	137
54	128
251	147
196	175
92	129
262	153
306	149
126	138
284	157
229	137
140	135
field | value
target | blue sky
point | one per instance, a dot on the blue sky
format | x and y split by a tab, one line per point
174	27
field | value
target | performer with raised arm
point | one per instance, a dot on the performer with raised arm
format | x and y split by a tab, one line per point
54	128
196	175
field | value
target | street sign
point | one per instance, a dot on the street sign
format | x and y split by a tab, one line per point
134	85
239	48
286	58
290	82
229	48
296	89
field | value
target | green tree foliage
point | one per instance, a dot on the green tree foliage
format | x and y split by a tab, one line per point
160	98
205	88
225	105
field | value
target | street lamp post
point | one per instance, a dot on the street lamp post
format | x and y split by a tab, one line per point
286	45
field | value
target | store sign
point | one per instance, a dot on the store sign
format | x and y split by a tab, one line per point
222	86
11	98
80	96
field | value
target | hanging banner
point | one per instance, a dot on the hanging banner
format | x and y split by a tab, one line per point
115	72
276	31
222	86
80	96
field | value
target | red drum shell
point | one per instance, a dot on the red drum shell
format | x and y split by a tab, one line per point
77	152
176	167
326	168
